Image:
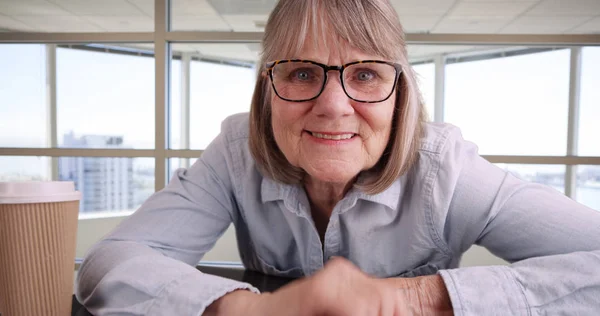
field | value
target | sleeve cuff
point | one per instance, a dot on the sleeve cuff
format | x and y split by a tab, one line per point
193	293
491	290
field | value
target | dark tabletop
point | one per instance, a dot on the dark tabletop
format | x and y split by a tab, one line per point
265	283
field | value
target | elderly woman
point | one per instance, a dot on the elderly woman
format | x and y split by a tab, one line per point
336	176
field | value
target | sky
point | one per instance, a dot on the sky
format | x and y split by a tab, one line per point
507	106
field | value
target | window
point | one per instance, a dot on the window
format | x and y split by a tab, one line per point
588	186
515	105
426	76
109	185
105	99
15	168
589	99
218	89
549	175
23	104
510	101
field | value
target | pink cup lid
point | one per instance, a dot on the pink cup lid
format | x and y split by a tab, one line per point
38	192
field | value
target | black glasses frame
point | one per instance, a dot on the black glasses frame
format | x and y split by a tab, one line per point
326	68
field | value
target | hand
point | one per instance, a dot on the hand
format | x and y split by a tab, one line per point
339	289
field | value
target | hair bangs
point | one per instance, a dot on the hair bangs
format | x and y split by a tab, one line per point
330	25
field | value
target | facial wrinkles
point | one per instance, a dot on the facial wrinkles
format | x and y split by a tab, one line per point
364	120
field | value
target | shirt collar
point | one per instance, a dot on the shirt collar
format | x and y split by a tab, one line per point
390	197
272	190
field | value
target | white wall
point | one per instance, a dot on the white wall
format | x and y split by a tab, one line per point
91	230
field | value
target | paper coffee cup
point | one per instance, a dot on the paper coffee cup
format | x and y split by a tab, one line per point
38	232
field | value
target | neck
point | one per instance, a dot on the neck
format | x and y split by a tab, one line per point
324	196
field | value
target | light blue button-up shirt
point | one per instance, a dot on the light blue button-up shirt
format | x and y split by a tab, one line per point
420	225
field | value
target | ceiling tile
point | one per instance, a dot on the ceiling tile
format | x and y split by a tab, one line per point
146	6
565	8
590	27
543	25
100	8
422	7
122	23
30	7
192	7
199	23
58	23
418	23
490	8
471	24
10	24
246	22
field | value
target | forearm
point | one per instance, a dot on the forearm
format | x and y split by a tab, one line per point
559	284
131	279
426	295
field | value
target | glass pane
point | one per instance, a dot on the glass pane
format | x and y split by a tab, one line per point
589	114
219	15
550	175
105	97
23	106
514	105
588	186
426	76
77	16
15	168
109	185
221	84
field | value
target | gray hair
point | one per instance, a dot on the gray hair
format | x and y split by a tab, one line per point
371	26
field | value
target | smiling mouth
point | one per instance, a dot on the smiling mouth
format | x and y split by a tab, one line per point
341	136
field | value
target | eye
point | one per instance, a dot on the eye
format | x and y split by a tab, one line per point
365	75
301	74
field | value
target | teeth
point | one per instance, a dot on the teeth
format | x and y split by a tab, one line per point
333	137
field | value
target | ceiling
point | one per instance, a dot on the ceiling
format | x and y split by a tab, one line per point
417	16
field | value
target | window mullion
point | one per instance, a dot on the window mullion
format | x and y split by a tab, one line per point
185	106
51	123
162	100
573	120
440	83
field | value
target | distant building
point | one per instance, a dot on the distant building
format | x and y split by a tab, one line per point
105	183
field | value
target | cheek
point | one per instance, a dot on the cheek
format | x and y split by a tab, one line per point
283	121
379	122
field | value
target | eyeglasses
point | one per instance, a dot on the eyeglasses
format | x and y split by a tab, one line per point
368	81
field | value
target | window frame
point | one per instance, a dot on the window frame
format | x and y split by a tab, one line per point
162	38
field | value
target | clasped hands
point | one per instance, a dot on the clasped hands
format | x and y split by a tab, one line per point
342	289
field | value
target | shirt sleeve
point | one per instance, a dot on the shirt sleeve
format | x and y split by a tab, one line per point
551	241
146	266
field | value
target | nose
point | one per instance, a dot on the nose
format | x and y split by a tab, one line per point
333	101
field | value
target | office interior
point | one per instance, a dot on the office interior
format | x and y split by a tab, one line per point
116	95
